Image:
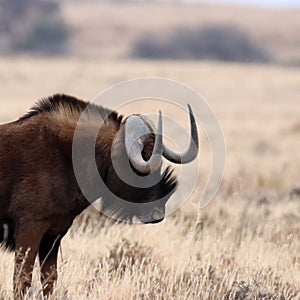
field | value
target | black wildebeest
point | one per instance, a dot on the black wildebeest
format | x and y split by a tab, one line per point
39	193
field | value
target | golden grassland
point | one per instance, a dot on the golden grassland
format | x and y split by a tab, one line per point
243	245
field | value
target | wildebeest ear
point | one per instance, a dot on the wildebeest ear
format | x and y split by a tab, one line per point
117	119
120	118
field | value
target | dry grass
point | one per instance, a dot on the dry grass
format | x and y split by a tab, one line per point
107	30
244	245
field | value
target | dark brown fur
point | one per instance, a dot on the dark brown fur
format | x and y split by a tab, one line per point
39	195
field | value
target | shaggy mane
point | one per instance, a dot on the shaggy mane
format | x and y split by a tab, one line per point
70	108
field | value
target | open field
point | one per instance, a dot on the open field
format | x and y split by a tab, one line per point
243	245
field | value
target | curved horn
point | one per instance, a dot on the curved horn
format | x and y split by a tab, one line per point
136	131
191	153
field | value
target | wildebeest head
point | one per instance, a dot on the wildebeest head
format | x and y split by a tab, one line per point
135	177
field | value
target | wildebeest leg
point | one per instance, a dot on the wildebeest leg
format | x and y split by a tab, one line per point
48	261
28	237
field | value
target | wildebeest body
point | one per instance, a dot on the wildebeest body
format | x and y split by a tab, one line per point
36	182
39	194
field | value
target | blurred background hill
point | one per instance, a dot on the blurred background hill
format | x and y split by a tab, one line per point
151	30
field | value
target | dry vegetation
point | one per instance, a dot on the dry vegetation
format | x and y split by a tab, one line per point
108	30
243	245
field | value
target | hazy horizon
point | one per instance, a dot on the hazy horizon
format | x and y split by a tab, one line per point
268	3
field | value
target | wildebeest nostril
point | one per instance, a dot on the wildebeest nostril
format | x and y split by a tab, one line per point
158	214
